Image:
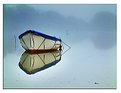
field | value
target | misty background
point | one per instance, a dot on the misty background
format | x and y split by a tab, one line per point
90	31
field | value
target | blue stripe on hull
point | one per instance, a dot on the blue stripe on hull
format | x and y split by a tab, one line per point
39	34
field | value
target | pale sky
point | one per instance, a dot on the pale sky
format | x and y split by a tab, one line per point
85	12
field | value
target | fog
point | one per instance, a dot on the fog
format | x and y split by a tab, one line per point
90	31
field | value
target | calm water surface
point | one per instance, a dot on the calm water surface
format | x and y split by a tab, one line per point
80	67
90	31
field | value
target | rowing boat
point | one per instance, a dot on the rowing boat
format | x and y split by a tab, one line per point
34	42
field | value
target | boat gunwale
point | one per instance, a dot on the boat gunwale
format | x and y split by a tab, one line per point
34	51
39	34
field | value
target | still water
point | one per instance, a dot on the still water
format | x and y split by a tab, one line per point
90	31
83	66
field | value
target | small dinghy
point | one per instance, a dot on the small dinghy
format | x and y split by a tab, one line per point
35	42
41	51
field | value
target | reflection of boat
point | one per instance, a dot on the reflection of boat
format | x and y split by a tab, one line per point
37	42
32	63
